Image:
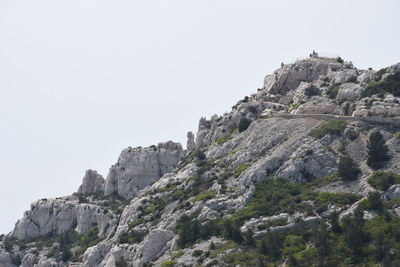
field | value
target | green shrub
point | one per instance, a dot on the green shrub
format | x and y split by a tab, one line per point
199	154
335	127
374	201
390	85
244	124
338	199
383	180
204	196
333	91
225	138
379	74
121	263
132	237
348	170
311	91
239	169
377	150
197	253
168	264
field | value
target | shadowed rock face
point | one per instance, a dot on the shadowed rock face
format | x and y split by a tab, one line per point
139	167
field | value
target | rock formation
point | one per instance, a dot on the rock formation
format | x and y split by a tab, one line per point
164	206
139	167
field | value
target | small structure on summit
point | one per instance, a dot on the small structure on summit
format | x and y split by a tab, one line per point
314	54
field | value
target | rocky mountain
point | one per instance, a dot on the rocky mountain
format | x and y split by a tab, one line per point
304	172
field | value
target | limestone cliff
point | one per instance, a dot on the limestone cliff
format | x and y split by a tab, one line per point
209	205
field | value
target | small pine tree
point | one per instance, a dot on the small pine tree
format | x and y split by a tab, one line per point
263	246
292	261
334	221
378	151
348	170
249	238
375	201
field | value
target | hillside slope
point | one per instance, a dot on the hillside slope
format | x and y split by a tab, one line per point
303	172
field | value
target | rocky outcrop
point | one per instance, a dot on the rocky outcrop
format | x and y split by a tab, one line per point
93	183
290	76
154	245
139	167
47	217
56	216
191	145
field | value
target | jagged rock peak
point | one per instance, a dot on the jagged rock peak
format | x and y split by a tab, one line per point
191	145
93	183
139	167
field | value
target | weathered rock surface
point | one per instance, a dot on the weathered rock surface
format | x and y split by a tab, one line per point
393	192
93	183
139	167
55	216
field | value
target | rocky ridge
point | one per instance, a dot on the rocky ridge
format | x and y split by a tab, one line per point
133	217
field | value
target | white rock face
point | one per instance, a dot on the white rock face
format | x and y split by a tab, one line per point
89	215
94	255
154	245
393	192
348	92
55	216
139	167
93	183
290	76
46	216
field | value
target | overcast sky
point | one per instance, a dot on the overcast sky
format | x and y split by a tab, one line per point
82	79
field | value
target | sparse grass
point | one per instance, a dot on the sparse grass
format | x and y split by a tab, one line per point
168	264
239	169
204	196
335	127
226	138
214	253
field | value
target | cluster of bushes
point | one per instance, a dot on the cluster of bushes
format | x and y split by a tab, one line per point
131	237
312	90
62	244
353	241
383	180
333	91
335	127
239	169
390	85
348	169
276	196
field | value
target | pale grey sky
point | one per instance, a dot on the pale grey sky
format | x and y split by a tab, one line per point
82	79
